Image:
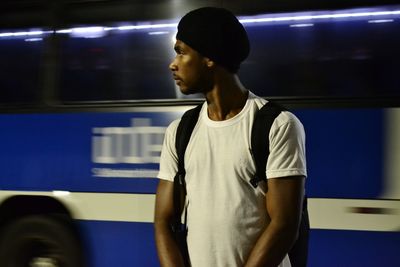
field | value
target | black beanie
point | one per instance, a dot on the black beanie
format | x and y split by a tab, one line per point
217	34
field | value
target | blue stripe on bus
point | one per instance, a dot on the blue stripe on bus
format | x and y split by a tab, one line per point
45	152
344	152
132	244
333	248
119	244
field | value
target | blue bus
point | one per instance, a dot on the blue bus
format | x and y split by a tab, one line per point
84	107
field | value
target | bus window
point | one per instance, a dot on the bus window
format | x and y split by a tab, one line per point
329	58
20	64
346	57
117	65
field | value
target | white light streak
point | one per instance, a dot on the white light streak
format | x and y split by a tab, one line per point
146	26
33	39
64	31
22	33
88	29
158	33
377	16
380	21
303	25
321	16
88	32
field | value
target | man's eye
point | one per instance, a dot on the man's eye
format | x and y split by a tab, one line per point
179	51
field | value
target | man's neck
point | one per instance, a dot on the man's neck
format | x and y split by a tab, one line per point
226	99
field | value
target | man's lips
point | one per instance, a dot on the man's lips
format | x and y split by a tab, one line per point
177	79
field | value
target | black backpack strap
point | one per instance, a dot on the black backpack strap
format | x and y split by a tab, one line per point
260	150
260	139
183	133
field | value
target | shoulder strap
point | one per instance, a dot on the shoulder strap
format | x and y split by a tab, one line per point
183	133
260	139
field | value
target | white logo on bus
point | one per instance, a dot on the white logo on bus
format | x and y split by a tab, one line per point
139	143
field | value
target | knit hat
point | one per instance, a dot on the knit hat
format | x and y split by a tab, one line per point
217	34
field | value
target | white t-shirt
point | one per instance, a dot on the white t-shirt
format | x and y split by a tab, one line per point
225	213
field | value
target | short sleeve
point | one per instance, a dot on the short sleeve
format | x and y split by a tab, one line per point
287	147
169	159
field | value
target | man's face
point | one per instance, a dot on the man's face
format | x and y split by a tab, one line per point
189	69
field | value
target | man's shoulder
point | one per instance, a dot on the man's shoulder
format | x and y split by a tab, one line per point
257	100
173	126
286	117
287	124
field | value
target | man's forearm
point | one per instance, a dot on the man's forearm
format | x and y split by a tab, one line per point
272	246
168	251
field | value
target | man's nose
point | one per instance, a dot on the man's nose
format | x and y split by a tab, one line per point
172	66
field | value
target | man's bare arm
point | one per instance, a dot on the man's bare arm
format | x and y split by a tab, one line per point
284	201
168	251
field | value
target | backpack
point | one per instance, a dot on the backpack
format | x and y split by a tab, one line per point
260	150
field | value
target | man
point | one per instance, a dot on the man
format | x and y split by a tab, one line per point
230	223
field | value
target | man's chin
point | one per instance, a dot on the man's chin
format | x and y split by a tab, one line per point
187	91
